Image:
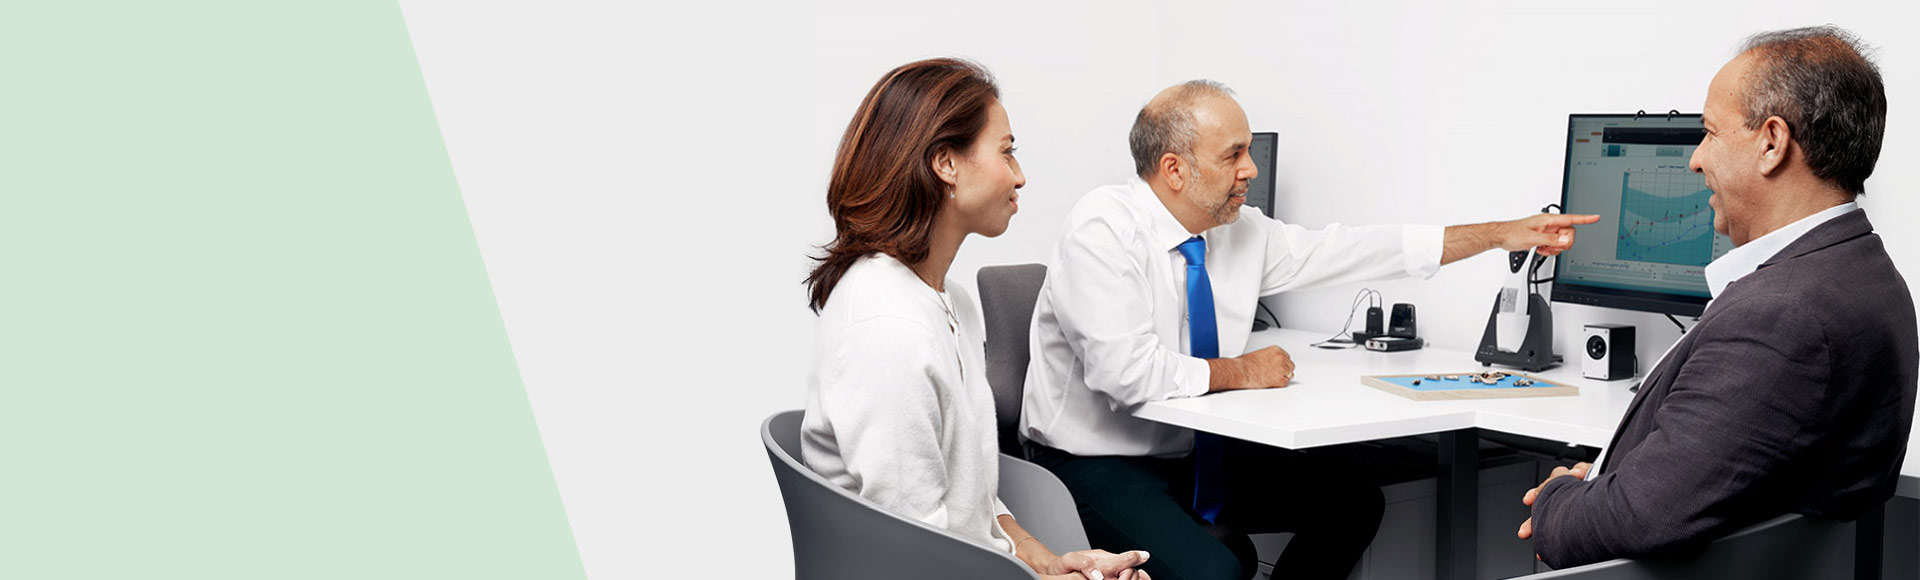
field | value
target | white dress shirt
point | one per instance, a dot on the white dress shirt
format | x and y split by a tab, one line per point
1110	327
1739	262
899	411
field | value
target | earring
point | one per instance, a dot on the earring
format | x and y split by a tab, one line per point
950	193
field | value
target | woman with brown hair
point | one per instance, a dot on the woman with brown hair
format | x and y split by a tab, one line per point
898	410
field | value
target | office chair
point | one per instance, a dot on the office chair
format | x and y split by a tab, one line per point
839	535
1007	298
1787	547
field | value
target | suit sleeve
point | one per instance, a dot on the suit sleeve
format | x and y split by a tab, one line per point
1747	402
1102	299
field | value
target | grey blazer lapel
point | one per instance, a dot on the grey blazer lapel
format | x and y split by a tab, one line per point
1660	379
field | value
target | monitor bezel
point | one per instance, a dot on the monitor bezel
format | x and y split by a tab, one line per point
1273	183
1619	298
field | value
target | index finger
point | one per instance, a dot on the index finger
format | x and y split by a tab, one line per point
1568	219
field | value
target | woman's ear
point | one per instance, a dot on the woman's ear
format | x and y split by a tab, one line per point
945	167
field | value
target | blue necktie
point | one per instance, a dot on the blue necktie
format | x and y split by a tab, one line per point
1203	341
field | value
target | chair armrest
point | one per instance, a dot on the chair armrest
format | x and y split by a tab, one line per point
1787	547
1042	504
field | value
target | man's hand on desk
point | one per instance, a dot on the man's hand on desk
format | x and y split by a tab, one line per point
1260	369
1578	471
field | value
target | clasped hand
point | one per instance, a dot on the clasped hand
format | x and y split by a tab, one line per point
1578	471
1097	565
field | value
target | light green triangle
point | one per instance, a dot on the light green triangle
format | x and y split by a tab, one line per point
245	331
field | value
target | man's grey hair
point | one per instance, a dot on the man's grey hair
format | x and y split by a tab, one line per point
1167	126
1820	81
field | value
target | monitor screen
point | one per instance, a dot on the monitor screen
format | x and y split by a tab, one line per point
1263	151
1650	250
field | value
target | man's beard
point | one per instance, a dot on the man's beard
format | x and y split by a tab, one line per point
1224	211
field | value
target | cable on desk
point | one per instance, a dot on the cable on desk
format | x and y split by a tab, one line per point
1342	340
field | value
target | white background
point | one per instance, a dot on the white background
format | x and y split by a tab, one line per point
646	181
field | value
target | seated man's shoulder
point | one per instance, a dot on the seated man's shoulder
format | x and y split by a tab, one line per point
1843	281
1815	300
1106	207
1102	200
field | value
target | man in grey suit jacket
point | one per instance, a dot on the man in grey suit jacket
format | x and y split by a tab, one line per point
1795	391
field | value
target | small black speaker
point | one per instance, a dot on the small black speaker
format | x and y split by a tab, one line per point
1401	324
1609	353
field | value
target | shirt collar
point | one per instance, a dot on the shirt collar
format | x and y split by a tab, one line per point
1166	231
1743	260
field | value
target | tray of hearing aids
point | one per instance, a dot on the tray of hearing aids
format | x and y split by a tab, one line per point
1480	385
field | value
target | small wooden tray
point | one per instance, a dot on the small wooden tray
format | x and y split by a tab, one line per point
1463	388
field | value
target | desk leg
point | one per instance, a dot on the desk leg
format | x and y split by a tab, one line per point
1459	504
1869	538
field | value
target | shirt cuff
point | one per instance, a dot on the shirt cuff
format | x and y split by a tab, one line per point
1002	539
1423	245
1191	377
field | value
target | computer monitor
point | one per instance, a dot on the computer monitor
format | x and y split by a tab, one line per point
1650	250
1263	151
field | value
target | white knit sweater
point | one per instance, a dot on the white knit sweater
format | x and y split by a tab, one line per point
899	411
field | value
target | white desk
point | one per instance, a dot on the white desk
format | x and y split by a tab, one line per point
1327	405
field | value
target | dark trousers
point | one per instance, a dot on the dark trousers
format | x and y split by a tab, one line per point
1146	503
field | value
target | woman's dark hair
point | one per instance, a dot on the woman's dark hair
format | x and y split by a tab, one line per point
883	193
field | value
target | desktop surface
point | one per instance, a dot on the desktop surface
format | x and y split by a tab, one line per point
1328	405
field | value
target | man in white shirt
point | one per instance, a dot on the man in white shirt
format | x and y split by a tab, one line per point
1795	391
1112	331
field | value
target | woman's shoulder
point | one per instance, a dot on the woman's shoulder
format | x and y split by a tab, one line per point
880	287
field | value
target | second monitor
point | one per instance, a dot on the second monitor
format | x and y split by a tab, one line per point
1260	192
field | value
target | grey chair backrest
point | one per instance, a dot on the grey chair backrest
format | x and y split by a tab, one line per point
1007	296
1787	547
837	534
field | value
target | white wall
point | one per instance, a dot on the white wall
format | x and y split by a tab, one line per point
646	181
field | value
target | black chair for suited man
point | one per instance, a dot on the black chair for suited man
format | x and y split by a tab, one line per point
1787	547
